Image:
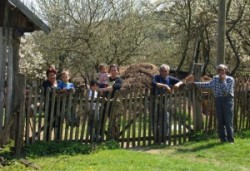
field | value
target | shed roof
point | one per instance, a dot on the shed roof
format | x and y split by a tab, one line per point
40	25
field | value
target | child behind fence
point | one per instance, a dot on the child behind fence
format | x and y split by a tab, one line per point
93	113
103	77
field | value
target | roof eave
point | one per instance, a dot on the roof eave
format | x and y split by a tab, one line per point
29	14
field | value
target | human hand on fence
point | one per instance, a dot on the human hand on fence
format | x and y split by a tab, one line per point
188	79
168	89
191	83
175	87
63	90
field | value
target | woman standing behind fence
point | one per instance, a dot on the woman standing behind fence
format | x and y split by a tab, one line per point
114	81
223	89
115	84
50	83
51	79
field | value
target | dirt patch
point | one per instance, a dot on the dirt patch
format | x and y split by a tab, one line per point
154	151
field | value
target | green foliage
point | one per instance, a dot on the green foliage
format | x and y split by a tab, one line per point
169	31
67	148
112	144
7	150
202	135
55	148
243	134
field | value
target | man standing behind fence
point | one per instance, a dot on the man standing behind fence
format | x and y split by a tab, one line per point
223	89
163	83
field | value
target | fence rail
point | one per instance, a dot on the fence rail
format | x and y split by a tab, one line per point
132	118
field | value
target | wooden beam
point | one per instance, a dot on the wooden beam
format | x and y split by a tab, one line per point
2	74
2	7
37	21
10	77
21	114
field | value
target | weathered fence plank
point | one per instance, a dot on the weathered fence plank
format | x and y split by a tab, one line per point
140	121
34	113
145	115
21	114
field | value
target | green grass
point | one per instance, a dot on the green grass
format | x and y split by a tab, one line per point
204	153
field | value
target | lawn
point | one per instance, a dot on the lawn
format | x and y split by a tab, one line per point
205	154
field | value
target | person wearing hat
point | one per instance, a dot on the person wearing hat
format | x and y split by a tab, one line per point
223	90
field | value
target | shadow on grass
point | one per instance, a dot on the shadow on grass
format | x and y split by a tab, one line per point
199	148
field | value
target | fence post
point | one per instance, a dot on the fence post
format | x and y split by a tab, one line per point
21	80
198	120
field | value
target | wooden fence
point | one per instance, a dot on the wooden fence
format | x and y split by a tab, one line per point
133	118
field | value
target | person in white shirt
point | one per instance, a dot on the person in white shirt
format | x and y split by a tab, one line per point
93	113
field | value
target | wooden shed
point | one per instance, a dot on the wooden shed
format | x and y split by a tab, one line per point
15	20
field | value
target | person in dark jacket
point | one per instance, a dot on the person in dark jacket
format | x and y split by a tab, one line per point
49	84
51	81
162	84
115	84
115	81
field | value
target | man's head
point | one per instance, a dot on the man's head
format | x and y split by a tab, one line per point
221	68
164	70
221	71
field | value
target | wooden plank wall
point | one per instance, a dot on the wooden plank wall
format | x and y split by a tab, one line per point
6	83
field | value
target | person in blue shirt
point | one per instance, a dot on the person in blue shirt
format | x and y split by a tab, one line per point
65	85
223	90
162	84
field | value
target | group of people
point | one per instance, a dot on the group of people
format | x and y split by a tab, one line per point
63	85
223	90
109	82
106	81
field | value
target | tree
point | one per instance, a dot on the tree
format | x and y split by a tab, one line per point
178	32
86	33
